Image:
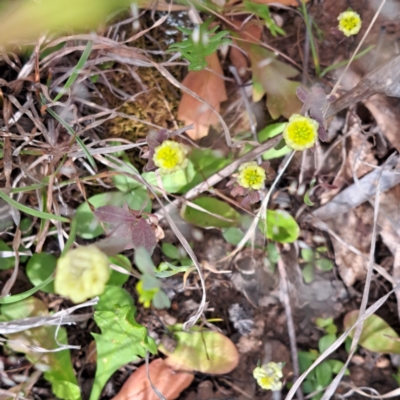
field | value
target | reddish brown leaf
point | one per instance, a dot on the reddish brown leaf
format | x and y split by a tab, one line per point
164	378
210	87
143	236
114	215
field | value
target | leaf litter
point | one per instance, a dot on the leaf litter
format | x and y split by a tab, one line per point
41	189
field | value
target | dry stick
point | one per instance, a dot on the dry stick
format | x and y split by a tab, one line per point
357	334
290	325
334	346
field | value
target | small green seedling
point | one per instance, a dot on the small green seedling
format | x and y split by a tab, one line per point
314	259
262	11
149	286
322	375
200	43
177	255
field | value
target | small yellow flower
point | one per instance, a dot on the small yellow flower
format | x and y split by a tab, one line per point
300	132
170	156
349	22
269	376
82	273
251	176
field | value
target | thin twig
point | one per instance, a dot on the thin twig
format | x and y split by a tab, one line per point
285	298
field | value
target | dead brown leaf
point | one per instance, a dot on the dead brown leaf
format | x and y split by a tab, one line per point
210	86
163	377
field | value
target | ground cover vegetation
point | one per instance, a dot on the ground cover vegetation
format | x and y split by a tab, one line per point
199	200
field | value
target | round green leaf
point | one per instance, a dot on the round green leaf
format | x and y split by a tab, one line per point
325	342
6	262
215	206
279	226
118	278
324	374
376	335
207	352
88	227
40	266
323	264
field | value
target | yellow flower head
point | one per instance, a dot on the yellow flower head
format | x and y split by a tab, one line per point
349	22
251	176
300	132
82	273
170	156
269	376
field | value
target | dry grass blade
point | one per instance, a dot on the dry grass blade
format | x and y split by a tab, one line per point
368	312
57	318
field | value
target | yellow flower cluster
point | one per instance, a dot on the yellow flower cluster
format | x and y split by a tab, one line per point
251	176
170	156
300	132
82	273
269	376
349	22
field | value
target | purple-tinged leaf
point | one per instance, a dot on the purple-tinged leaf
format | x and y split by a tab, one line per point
302	93
114	215
238	191
143	236
254	196
113	245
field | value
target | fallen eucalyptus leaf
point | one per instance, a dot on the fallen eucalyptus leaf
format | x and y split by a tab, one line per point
377	335
207	352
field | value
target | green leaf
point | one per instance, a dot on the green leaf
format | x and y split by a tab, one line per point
215	206
126	183
121	340
336	366
331	329
325	341
377	335
39	268
144	262
324	264
323	322
118	278
24	295
200	44
273	253
57	366
172	183
233	235
308	273
6	262
269	132
77	69
324	375
206	352
280	226
31	211
206	162
88	227
307	255
170	251
306	359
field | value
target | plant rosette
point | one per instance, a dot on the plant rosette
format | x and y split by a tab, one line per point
164	154
349	22
249	181
301	132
